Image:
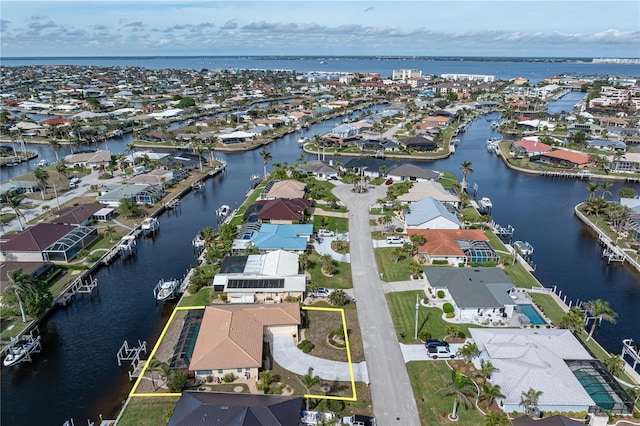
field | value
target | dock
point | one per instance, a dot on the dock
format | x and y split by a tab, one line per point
126	353
77	287
611	251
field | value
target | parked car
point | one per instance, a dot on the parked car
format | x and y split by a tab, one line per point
436	352
436	342
395	240
325	233
388	181
321	292
359	420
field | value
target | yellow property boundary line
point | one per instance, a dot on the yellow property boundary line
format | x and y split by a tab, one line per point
308	308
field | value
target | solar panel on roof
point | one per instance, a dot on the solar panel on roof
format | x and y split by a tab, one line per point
256	283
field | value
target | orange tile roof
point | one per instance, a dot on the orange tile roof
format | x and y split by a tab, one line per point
574	157
441	242
231	336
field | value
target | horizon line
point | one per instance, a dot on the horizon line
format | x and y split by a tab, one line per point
318	56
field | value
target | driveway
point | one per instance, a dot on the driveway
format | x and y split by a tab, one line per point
419	352
324	247
289	357
391	392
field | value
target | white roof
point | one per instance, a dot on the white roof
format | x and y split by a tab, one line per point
424	189
534	358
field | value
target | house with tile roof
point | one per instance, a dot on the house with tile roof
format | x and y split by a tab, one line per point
79	215
317	168
563	158
289	188
290	237
138	193
231	337
261	278
280	210
430	213
91	160
455	246
529	148
410	172
421	190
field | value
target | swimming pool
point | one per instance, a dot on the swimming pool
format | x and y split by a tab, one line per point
531	312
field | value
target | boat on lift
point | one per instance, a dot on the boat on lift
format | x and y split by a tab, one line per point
223	211
485	203
127	244
166	290
20	351
150	224
523	247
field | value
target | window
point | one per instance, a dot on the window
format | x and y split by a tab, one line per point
220	371
239	370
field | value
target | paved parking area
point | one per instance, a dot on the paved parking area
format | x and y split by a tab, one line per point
419	352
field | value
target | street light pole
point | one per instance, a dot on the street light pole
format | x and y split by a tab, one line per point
415	337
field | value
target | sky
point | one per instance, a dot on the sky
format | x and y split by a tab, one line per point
505	28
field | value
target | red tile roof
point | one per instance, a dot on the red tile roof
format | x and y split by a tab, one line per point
36	238
573	157
441	242
533	146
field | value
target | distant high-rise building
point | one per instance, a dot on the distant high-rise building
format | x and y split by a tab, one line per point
405	74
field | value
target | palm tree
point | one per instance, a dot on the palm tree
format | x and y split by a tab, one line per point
573	320
593	188
55	145
496	419
486	370
529	401
266	157
469	351
14	201
20	284
599	310
62	169
615	364
462	389
489	394
155	365
41	176
466	168
309	381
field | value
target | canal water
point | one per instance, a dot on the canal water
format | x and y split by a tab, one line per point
77	375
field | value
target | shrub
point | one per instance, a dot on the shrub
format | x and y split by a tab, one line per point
450	314
229	377
424	335
462	335
447	308
440	294
439	262
306	346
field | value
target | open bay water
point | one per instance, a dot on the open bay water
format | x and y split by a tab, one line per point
77	376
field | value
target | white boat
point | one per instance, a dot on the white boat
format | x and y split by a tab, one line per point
523	247
302	139
255	180
127	244
20	350
118	132
198	241
42	163
223	211
166	290
150	224
485	203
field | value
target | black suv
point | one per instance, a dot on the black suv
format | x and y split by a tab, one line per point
435	342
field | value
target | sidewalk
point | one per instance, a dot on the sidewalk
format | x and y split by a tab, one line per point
289	357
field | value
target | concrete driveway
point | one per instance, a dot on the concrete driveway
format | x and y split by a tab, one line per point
419	352
324	247
391	392
289	357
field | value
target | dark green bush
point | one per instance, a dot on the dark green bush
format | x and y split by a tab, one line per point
306	346
440	294
447	308
424	335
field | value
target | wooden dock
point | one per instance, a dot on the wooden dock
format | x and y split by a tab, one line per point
77	287
611	251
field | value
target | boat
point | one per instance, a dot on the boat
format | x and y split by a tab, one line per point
42	163
20	351
302	140
166	290
223	211
523	247
485	203
198	241
255	180
197	185
118	132
150	224
127	244
172	203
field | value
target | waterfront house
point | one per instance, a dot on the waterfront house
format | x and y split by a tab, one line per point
367	166
46	242
15	187
378	145
235	137
607	145
476	293
563	158
261	278
279	210
138	193
529	148
423	189
456	247
289	188
430	213
344	131
237	409
91	160
633	225
160	177
290	237
409	172
78	215
318	169
553	362
37	270
420	143
231	338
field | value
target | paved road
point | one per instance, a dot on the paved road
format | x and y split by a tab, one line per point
391	392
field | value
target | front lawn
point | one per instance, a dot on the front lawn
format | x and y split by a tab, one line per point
322	323
427	378
340	279
389	269
402	306
341	224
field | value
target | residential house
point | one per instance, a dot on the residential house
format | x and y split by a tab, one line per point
607	145
279	210
235	137
261	278
529	148
290	237
231	337
475	293
317	168
367	166
37	270
46	242
160	177
236	409
138	193
563	158
409	172
16	187
429	213
457	247
289	188
423	189
420	143
92	160
344	131
552	362
633	225
78	215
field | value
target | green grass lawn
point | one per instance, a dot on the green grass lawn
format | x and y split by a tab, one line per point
151	411
448	180
331	223
494	241
402	306
389	269
520	277
427	378
341	279
203	297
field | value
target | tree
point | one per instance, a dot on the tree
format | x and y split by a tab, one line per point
55	145
486	370
386	221
62	169
328	264
573	320
338	298
529	401
626	192
452	331
615	364
469	351
13	202
128	208
156	366
461	388
618	215
489	394
309	381
494	418
466	168
595	206
20	284
42	176
599	310
266	157
593	188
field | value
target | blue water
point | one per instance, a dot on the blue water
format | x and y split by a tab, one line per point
531	312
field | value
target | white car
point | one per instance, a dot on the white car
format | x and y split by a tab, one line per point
326	233
395	240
